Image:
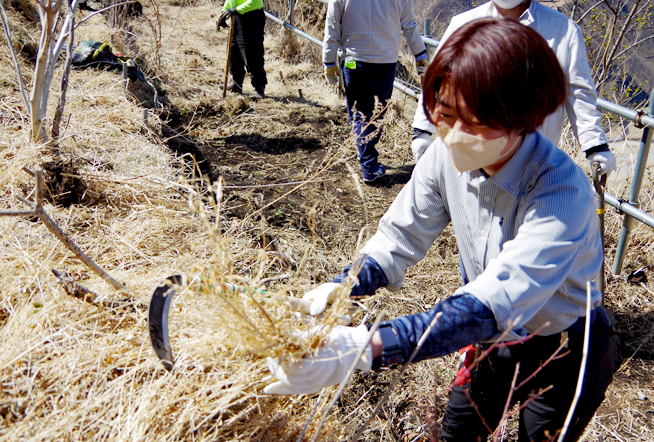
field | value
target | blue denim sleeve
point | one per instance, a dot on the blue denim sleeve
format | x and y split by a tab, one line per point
371	277
464	321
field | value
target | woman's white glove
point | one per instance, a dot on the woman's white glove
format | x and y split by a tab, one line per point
328	367
321	296
420	144
606	161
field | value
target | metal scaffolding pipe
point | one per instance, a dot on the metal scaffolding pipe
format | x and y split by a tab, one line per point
634	191
630	210
293	28
429	41
629	114
407	90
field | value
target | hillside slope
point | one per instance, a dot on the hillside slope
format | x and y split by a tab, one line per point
290	214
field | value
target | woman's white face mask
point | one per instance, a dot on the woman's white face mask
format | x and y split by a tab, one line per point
470	152
508	4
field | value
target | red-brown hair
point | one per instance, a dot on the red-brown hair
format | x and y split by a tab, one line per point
504	72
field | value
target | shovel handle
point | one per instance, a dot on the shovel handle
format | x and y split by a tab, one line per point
229	54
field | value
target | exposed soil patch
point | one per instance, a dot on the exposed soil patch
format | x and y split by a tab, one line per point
63	183
273	149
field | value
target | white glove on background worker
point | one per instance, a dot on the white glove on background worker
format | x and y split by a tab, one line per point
606	161
422	63
321	296
331	73
420	144
328	367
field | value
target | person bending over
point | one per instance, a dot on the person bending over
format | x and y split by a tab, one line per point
525	225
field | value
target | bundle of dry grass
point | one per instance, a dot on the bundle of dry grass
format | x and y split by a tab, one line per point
85	372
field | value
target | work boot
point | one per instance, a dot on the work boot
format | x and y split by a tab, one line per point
258	93
232	86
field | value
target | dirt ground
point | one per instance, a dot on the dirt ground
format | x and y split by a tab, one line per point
288	166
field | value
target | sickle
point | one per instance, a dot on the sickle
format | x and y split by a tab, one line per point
158	319
160	306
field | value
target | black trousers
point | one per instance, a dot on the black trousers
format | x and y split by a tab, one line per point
543	417
247	49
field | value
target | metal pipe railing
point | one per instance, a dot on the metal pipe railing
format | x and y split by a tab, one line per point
641	119
293	28
634	191
406	89
630	209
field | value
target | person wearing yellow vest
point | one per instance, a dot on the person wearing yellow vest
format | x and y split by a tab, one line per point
247	44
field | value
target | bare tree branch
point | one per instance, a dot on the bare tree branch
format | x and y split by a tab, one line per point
80	292
103	10
59	112
588	11
21	86
582	368
37	210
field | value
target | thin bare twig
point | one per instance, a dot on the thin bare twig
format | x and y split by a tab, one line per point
80	292
21	86
313	412
543	365
104	9
582	368
393	383
588	11
63	88
532	398
507	404
476	408
259	186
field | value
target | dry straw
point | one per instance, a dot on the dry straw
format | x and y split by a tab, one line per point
70	370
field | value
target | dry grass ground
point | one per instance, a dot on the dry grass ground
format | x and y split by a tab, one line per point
121	189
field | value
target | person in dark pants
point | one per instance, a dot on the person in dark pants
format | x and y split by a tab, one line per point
363	84
368	32
523	214
541	414
247	45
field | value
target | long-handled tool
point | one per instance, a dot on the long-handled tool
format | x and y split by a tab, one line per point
229	54
160	306
599	181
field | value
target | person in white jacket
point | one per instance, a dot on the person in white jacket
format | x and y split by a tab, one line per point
567	42
368	33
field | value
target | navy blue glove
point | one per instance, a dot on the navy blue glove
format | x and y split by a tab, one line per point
371	277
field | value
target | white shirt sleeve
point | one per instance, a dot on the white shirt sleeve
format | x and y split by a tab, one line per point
410	28
332	40
581	104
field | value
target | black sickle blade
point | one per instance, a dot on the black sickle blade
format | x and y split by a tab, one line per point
158	319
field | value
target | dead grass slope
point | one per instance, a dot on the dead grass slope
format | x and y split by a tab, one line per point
121	189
